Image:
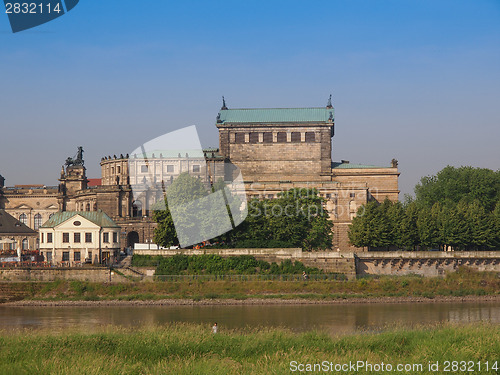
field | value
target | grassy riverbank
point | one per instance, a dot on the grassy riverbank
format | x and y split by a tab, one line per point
459	284
193	349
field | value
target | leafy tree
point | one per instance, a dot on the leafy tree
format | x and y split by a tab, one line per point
182	195
456	231
456	184
428	225
296	218
396	215
372	226
496	218
409	229
481	227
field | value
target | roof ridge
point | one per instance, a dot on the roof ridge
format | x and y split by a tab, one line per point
239	109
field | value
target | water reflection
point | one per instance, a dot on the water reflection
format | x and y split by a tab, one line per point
333	319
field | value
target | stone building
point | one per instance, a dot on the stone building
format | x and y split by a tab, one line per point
14	235
72	237
276	149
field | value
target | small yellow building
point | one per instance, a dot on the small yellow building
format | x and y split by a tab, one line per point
71	238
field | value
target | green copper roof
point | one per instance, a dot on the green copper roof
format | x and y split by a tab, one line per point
353	166
275	115
97	217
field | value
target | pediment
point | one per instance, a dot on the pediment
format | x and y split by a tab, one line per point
24	207
52	207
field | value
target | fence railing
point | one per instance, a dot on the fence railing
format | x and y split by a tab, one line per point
297	277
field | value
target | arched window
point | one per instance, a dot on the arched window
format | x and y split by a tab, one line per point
25	244
137	209
23	219
88	207
38	221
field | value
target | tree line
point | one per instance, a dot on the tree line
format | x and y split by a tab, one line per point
458	207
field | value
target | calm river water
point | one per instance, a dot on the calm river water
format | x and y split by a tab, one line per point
334	319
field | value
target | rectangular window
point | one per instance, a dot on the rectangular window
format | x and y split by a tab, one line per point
144	168
65	237
253	137
115	237
118	169
327	196
88	237
105	237
76	238
281	137
239	138
353	195
310	137
49	237
65	256
170	169
77	256
90	256
267	137
296	137
42	237
196	168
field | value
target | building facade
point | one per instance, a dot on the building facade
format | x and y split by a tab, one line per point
275	149
73	237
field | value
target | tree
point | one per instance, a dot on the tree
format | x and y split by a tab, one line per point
372	226
183	196
481	227
455	230
456	184
428	225
295	218
409	229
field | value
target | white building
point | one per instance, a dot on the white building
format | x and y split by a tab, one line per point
74	237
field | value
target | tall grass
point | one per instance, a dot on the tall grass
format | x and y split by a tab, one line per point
193	349
462	283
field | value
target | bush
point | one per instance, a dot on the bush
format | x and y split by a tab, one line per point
211	264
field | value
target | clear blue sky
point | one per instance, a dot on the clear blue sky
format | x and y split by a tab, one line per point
418	80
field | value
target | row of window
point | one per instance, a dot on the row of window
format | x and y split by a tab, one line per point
23	218
281	137
118	170
272	196
170	168
77	257
77	237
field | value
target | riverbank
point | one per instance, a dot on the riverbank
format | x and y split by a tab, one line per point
193	349
466	284
251	301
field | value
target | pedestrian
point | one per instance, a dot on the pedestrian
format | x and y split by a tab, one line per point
214	328
305	276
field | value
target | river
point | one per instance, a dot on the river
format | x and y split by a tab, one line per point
333	319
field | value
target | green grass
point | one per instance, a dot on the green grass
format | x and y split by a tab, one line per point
459	284
192	349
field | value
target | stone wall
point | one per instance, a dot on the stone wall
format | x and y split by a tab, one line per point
328	261
99	275
362	263
425	263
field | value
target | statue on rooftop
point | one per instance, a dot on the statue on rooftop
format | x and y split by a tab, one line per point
78	160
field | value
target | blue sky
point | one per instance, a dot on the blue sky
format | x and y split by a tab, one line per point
418	81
